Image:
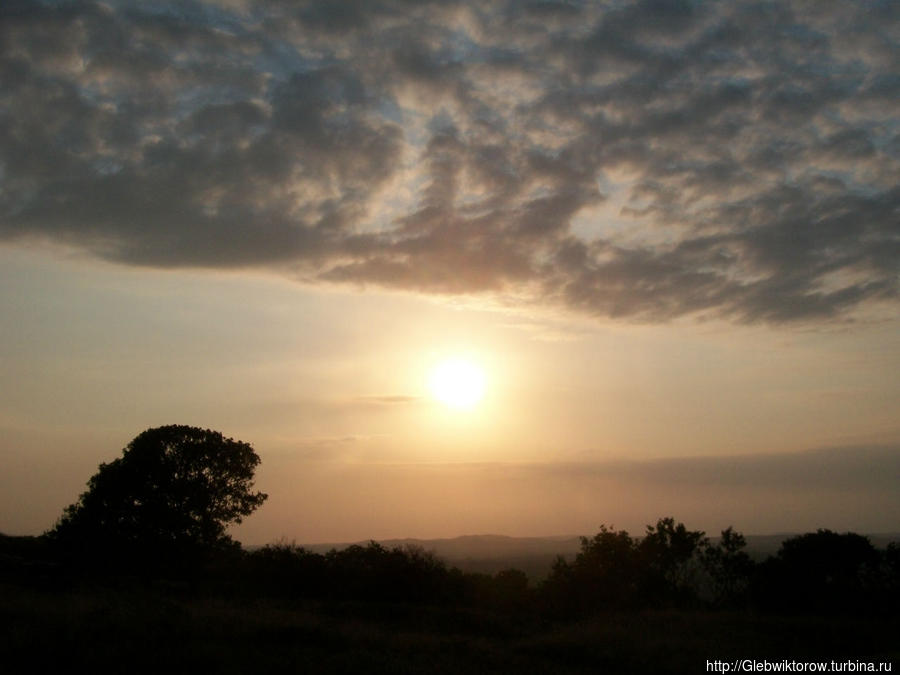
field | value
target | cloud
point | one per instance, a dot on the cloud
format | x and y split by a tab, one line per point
853	469
841	488
831	487
397	399
641	160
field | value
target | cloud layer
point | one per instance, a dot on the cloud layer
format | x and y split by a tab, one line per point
646	160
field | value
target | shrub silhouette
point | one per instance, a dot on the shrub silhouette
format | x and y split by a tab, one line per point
889	579
369	573
174	490
285	570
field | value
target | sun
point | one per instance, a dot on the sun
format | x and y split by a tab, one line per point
457	383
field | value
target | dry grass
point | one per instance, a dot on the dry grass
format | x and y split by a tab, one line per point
149	630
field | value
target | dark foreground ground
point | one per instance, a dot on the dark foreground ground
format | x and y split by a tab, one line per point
145	628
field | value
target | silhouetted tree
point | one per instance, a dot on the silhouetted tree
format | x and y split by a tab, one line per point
668	565
890	576
173	490
729	568
820	570
605	573
614	570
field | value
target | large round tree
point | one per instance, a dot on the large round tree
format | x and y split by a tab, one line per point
173	487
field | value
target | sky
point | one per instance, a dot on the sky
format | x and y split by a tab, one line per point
666	234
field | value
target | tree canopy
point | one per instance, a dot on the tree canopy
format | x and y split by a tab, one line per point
173	486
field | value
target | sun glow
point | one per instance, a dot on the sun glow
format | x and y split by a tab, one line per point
457	383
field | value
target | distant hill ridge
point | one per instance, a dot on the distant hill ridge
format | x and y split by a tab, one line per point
476	545
490	553
500	545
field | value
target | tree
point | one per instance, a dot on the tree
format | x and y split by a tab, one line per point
607	567
175	488
729	568
667	553
604	574
823	571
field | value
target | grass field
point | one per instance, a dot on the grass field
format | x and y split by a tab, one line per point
137	628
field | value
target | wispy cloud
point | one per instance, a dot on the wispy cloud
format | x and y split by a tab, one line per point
872	468
389	400
754	147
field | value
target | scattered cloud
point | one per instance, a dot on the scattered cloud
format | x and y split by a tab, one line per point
739	160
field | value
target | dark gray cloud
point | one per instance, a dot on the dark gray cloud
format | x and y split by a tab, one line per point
646	160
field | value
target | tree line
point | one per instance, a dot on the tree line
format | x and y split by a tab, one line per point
162	508
669	566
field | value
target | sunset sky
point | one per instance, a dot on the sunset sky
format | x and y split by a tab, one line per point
664	235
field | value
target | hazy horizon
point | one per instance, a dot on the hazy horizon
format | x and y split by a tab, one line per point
458	268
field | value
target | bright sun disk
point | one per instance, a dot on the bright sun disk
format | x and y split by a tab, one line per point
457	383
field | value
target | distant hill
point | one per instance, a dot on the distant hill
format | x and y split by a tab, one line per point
490	553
